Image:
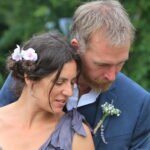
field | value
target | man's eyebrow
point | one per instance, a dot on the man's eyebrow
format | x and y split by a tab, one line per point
109	63
123	61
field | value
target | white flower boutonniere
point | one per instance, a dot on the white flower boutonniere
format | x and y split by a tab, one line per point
108	110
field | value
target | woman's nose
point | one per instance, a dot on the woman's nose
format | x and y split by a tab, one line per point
68	90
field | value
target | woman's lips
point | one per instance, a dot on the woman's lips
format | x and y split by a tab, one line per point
60	103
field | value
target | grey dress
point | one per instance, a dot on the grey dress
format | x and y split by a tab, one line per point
61	139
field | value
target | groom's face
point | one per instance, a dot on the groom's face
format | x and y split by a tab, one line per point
101	62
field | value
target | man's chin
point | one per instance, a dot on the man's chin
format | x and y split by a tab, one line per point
105	88
102	87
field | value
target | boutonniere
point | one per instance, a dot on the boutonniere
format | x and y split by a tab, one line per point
107	110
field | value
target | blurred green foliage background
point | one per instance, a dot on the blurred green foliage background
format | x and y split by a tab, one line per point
20	20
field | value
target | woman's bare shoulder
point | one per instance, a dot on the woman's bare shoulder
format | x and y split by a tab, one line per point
80	142
5	117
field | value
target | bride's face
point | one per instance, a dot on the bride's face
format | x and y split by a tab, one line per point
54	100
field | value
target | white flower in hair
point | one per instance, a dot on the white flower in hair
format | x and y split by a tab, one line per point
29	54
20	54
16	54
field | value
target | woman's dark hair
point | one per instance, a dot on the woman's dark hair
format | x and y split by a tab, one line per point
53	52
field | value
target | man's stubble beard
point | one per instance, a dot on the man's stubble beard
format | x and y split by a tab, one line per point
97	85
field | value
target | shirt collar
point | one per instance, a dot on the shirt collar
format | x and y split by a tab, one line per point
85	99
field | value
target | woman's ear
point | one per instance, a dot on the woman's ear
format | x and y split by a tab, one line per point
27	80
75	44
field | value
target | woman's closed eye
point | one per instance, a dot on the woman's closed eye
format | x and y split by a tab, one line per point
62	81
59	82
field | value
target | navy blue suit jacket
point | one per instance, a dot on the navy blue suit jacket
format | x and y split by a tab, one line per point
129	131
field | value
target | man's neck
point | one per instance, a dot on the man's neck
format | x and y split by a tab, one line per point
83	87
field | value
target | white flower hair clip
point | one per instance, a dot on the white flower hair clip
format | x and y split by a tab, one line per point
20	54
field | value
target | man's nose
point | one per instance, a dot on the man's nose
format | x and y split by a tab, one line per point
111	73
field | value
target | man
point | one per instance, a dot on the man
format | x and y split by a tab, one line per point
102	34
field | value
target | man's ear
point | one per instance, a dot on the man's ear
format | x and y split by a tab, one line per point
75	44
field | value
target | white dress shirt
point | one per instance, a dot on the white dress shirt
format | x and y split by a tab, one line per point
85	99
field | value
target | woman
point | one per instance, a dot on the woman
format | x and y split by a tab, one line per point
45	70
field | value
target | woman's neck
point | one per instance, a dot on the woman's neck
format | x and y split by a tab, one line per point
29	114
